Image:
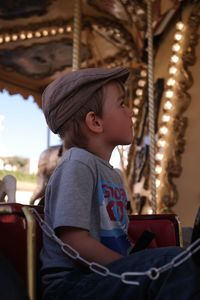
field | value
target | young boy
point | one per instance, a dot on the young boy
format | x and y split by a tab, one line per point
85	202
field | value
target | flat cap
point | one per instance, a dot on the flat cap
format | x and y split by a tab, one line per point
69	93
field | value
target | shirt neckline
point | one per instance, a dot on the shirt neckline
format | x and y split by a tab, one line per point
96	156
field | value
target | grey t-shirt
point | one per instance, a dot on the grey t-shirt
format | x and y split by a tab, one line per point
84	191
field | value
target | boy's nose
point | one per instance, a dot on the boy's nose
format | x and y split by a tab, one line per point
130	112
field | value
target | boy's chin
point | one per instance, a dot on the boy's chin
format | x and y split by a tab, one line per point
125	143
128	141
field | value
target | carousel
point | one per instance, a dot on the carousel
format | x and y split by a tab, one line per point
158	41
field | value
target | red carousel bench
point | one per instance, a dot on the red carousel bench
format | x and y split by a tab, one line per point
21	241
21	238
166	227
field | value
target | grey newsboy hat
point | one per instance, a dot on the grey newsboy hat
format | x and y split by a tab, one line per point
66	95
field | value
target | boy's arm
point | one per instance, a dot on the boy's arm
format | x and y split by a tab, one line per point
88	248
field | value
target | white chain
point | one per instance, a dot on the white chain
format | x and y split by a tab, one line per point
126	277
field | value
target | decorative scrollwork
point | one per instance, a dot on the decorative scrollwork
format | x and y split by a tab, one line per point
171	123
167	193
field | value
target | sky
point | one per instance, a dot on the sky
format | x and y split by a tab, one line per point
23	129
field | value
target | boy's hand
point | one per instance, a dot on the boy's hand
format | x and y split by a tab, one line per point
88	248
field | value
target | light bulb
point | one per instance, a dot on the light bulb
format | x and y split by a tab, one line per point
45	32
118	35
169	93
168	105
161	143
157	183
14	37
69	28
166	118
29	35
174	58
163	130
159	156
140	12
22	36
158	169
176	47
136	111
53	31
7	38
136	101
143	73
38	34
60	30
134	120
141	83
173	70
171	82
139	92
180	26
178	36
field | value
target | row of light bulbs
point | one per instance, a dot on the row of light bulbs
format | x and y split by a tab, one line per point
137	105
117	35
116	32
169	99
124	61
139	93
10	38
131	8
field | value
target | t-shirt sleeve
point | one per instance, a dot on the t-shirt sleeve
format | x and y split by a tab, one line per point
71	192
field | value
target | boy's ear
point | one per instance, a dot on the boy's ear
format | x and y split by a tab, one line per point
93	122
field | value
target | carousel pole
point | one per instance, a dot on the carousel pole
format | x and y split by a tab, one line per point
151	106
76	36
76	46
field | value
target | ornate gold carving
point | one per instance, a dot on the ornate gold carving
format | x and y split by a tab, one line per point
168	194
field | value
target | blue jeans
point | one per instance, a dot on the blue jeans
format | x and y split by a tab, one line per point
11	286
180	283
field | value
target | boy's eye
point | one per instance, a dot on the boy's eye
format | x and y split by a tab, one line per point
124	103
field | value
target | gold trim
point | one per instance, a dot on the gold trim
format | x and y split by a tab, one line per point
179	231
167	192
171	162
31	252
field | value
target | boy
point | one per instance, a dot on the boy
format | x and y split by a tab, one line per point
85	201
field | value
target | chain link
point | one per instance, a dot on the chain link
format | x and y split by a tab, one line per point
126	277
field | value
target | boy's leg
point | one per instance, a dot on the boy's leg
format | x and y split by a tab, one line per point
167	286
182	282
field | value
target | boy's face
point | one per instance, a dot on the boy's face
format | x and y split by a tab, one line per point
117	117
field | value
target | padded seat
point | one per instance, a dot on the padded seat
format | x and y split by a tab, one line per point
21	238
166	227
13	237
21	241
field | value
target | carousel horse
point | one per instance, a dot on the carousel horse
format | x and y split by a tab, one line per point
8	188
48	160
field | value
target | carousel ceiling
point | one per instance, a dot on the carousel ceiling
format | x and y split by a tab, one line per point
36	38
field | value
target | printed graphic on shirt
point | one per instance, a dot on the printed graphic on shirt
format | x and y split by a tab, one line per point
114	219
